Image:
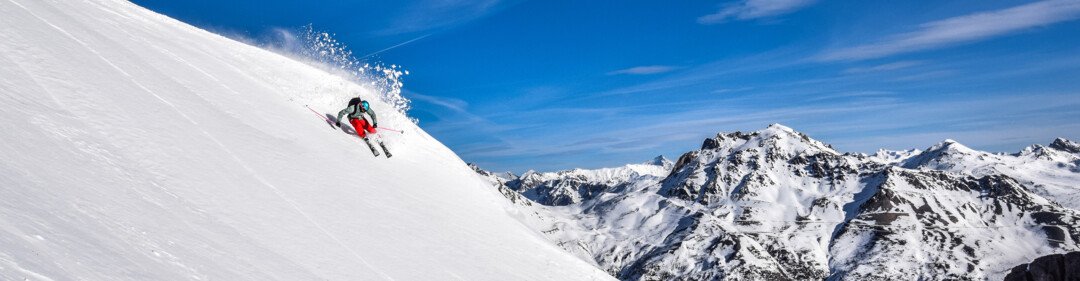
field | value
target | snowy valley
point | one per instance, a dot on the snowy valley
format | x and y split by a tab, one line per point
778	205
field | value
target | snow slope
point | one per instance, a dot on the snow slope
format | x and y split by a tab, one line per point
136	147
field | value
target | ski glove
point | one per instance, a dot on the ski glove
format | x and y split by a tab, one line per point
375	125
338	124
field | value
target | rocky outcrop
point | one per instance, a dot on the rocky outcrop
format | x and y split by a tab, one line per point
1065	267
1066	145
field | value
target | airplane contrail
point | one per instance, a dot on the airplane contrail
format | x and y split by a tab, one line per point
395	46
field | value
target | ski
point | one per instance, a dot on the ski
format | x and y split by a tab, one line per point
372	147
388	155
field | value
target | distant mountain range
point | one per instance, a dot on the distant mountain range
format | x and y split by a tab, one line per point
776	204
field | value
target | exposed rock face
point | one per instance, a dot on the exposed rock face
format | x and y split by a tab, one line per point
1066	146
1051	267
499	181
778	205
955	225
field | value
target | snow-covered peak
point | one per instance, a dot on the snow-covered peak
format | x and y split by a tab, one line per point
885	156
945	155
776	142
751	159
577	185
1066	145
779	127
1037	152
659	161
657	166
795	139
1049	171
952	146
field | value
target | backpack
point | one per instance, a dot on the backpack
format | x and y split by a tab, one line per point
357	102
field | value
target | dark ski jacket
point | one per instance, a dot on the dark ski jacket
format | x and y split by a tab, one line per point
356	111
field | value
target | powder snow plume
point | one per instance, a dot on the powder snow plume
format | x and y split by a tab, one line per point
321	49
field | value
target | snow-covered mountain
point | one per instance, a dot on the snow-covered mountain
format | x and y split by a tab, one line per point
1051	171
575	186
136	147
777	204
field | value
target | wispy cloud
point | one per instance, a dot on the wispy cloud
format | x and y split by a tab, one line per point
715	71
963	29
753	9
644	70
854	95
454	113
435	14
674	127
966	120
925	75
455	105
883	67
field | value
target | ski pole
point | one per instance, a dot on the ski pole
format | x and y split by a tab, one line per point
323	117
392	130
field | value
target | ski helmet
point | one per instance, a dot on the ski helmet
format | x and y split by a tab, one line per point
365	105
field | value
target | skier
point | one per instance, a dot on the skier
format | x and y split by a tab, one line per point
356	109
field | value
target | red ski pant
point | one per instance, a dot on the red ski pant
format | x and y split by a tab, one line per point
362	127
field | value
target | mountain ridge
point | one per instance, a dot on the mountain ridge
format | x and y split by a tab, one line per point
778	204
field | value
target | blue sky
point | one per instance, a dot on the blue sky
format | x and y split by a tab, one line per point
549	85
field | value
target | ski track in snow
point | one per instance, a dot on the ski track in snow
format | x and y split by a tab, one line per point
8	263
73	38
297	208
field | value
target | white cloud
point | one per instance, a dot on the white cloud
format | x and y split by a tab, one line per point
455	105
643	70
711	72
883	67
752	9
962	29
855	95
427	15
